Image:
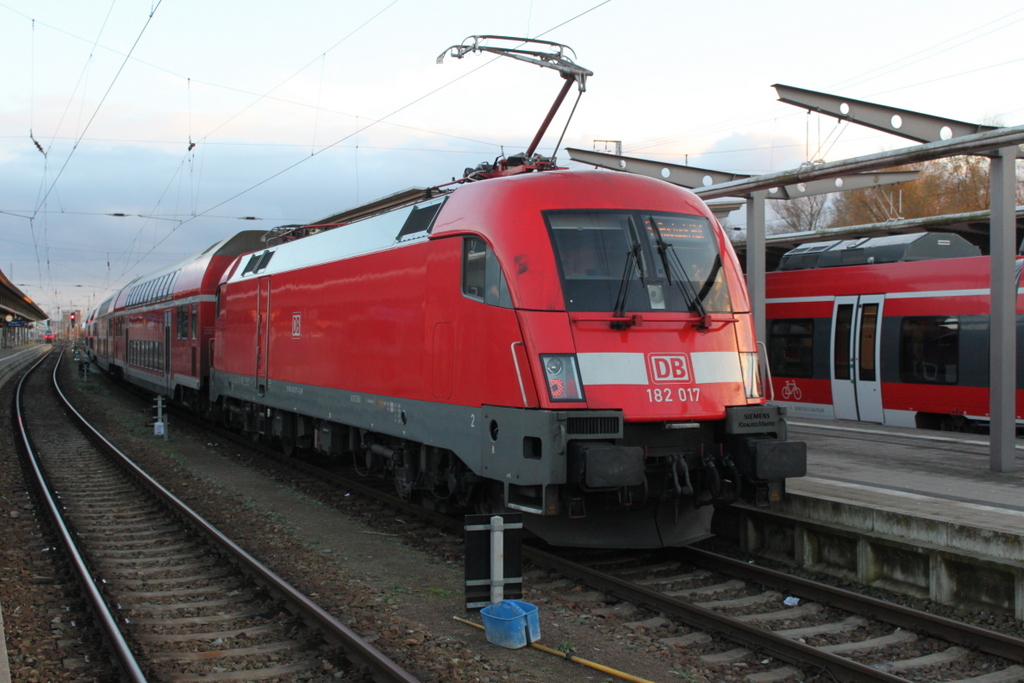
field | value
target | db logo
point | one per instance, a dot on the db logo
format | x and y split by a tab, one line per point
670	368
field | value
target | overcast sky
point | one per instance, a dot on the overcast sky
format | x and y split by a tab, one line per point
301	109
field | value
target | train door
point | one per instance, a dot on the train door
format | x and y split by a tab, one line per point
262	333
856	381
167	347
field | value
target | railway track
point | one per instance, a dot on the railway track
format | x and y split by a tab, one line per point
695	593
850	636
809	625
175	599
691	595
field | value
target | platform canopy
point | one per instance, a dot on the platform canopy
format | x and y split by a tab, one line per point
15	304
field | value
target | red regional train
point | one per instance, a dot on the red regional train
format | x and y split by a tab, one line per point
891	330
157	332
576	345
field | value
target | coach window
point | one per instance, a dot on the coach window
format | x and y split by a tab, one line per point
929	350
482	278
195	320
791	347
182	322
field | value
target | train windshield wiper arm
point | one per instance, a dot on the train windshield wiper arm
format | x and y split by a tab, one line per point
633	260
670	258
705	288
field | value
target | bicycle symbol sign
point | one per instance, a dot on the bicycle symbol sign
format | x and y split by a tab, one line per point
791	391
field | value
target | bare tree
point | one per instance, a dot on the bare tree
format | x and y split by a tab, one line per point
944	186
800	214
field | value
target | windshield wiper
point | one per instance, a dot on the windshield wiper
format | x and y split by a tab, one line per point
633	260
686	287
705	288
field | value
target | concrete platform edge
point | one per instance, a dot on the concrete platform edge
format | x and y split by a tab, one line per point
920	555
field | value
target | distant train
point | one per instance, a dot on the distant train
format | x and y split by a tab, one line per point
577	346
892	330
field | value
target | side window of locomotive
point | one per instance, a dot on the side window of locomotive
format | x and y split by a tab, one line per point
929	350
791	347
482	278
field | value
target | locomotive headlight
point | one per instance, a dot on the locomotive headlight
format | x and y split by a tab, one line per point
751	372
563	377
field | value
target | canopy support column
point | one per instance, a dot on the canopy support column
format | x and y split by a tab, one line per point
1003	312
756	260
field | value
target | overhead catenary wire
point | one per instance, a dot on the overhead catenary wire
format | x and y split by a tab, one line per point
210	192
864	77
355	133
99	105
195	214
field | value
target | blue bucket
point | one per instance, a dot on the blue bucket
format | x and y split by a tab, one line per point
511	623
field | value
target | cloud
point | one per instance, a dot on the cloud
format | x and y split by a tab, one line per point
753	153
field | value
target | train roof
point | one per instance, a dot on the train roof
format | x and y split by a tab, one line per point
381	230
922	246
162	284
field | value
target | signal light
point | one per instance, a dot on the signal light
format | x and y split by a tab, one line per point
73	316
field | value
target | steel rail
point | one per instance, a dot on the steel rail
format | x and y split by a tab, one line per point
120	651
792	651
988	641
785	649
382	668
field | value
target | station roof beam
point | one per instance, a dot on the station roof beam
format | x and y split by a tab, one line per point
903	122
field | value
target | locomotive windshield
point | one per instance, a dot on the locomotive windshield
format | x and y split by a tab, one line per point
637	261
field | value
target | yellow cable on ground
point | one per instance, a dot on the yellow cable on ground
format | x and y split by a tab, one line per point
573	658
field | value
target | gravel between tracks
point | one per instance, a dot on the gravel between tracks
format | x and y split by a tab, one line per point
401	598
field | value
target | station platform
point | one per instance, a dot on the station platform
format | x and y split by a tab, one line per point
911	510
939	475
11	358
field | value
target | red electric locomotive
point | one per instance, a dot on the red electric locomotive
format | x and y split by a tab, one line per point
892	330
574	345
157	331
577	346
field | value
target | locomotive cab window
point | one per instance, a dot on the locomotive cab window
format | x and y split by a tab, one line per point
482	277
637	261
929	350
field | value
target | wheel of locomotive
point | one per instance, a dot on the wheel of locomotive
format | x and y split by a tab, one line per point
287	439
